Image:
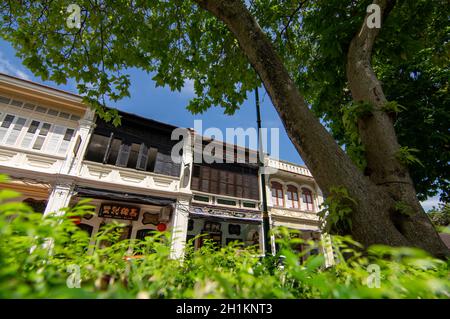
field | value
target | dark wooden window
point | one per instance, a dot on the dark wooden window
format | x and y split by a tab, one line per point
134	154
124	155
190	225
201	198
292	194
249	205
8	121
143	156
307	199
165	165
113	152
277	194
97	148
224	182
130	152
226	202
141	234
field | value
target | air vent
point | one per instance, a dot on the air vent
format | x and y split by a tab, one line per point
17	103
41	109
249	205
226	202
52	112
75	118
201	198
4	99
29	106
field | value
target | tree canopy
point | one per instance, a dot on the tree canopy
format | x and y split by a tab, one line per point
176	41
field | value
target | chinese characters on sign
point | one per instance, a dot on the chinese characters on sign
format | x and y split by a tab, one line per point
119	211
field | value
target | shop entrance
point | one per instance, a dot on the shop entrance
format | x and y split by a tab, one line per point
222	232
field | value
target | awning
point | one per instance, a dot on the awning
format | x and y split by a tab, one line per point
125	197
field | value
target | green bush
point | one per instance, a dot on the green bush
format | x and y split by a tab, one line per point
40	256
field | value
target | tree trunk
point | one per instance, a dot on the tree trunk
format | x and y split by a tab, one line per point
371	217
378	136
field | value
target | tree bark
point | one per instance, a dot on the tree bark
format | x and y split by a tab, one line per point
378	136
371	217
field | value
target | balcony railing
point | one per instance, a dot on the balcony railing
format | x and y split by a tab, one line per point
298	214
289	167
128	177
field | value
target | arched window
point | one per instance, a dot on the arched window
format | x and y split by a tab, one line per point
292	194
307	199
277	194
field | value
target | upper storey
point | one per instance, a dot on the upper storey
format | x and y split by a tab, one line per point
293	194
137	153
224	174
38	124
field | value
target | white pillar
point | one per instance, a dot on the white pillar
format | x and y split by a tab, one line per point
187	164
59	199
179	231
268	193
327	247
85	128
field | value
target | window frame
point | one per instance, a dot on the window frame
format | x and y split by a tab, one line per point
294	200
277	187
305	194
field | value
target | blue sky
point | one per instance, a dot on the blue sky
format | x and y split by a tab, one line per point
163	105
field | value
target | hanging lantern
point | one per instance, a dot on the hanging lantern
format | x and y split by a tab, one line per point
161	227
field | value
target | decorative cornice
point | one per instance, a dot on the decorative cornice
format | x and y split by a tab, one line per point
215	211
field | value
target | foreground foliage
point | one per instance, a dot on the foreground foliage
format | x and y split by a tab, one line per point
380	93
40	258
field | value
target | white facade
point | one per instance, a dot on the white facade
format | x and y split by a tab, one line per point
40	134
44	138
295	211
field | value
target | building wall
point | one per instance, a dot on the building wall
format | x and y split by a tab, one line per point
45	136
40	137
148	217
248	234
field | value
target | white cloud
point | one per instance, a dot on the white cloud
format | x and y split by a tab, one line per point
430	202
7	67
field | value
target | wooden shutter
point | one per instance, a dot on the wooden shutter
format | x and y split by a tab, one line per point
28	138
66	141
223	188
142	157
161	166
205	177
7	121
214	181
15	132
55	139
124	153
195	184
43	132
175	169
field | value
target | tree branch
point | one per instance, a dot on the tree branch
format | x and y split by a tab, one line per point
327	161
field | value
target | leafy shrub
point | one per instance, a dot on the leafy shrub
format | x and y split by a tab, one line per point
40	256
